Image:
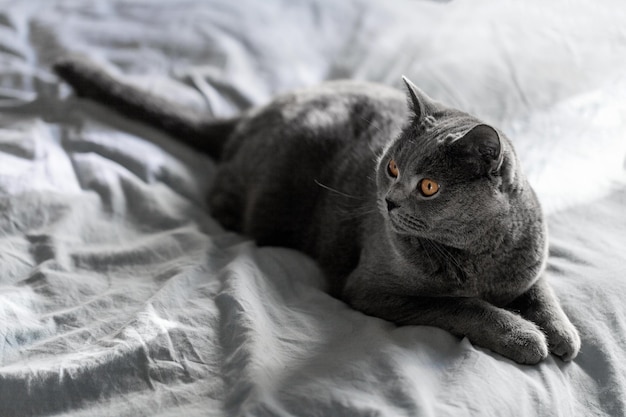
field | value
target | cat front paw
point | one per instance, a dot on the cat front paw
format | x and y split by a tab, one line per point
563	339
525	344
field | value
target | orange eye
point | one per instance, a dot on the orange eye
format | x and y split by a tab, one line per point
392	169
428	187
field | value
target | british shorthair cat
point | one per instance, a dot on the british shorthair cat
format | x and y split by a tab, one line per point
418	214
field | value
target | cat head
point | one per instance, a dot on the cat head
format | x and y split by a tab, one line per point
448	177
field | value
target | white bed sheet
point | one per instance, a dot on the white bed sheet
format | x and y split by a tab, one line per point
120	296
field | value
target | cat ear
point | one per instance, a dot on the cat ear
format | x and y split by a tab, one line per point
421	104
481	144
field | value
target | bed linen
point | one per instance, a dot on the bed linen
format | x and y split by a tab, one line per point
121	296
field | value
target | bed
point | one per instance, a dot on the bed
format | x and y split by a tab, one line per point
121	296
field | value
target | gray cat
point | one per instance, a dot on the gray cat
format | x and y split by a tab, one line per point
417	214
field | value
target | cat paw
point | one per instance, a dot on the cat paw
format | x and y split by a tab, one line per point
563	339
525	344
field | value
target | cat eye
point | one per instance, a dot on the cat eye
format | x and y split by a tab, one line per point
428	187
392	169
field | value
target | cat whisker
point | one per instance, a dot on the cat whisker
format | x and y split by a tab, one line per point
348	215
337	191
447	255
428	255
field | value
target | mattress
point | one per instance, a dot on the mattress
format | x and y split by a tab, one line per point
121	296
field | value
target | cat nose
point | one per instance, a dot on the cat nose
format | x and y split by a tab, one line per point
391	204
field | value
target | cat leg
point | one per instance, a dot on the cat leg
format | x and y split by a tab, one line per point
225	199
540	305
484	324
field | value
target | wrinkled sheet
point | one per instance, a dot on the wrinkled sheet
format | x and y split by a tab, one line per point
120	296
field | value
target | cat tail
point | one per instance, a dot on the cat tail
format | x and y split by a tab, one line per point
191	127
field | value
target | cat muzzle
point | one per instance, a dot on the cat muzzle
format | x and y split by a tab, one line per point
391	204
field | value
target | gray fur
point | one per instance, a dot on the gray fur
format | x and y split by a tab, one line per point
309	171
